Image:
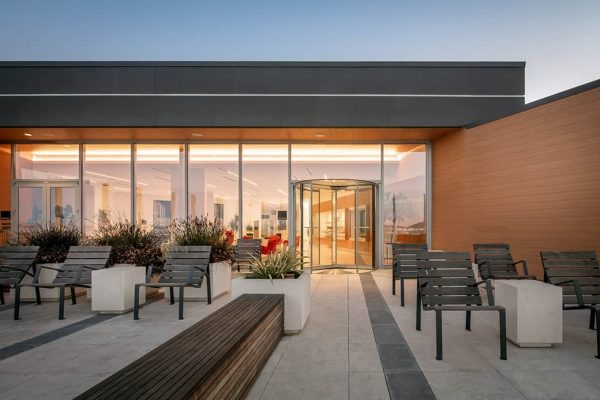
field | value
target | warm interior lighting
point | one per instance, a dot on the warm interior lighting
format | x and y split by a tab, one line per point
227	153
28	134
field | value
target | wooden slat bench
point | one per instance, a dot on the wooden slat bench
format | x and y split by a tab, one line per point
216	358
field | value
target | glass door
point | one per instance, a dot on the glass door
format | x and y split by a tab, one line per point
365	206
47	203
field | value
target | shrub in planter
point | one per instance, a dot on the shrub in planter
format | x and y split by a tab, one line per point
130	244
199	231
278	265
54	241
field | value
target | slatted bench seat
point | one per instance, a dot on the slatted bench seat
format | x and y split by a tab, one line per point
216	358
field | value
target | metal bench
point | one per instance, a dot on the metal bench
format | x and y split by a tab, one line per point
245	251
76	271
15	263
403	267
446	282
219	357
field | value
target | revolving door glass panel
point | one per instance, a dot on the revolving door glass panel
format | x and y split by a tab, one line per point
335	223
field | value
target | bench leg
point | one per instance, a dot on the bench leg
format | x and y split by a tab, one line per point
61	303
73	297
402	292
418	310
172	293
238	267
1	295
490	292
438	335
181	302
502	334
208	290
136	302
38	297
597	335
468	324
393	282
17	301
592	317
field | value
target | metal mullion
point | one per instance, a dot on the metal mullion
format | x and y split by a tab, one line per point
186	179
428	193
133	150
81	187
240	193
380	252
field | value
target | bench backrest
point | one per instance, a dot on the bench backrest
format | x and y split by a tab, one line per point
580	266
186	265
498	260
16	260
84	259
448	279
247	249
405	257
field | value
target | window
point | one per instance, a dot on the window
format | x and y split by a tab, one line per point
404	197
159	184
47	161
336	161
265	193
106	184
213	183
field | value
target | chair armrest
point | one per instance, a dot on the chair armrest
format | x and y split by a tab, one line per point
577	288
489	267
524	263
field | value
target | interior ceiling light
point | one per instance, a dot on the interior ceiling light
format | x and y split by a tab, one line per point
319	135
28	134
197	134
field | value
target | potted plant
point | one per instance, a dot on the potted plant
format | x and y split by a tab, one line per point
132	246
199	231
279	272
54	242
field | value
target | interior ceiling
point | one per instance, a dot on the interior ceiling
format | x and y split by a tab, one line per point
11	135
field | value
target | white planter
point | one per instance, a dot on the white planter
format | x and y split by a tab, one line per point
296	293
533	312
220	283
46	276
113	289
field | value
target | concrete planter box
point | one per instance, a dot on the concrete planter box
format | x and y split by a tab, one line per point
113	288
46	276
296	292
220	281
533	312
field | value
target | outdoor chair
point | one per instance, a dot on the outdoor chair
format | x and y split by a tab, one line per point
403	267
186	266
446	282
15	263
578	273
76	271
495	261
245	251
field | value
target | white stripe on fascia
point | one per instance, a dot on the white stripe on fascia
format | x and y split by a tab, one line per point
247	95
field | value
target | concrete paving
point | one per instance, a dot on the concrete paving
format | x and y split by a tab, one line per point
472	369
335	357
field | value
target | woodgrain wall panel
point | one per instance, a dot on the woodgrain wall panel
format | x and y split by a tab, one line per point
531	179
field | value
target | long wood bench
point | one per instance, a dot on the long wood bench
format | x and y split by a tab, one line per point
216	358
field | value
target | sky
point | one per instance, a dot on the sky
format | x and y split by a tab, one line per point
558	39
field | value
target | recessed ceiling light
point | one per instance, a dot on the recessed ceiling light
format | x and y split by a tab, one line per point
28	134
67	145
197	134
319	135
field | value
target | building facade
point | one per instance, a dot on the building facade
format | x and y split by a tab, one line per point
337	159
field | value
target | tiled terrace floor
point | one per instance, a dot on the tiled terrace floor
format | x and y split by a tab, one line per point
335	357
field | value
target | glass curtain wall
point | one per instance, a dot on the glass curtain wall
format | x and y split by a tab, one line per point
5	201
47	162
106	184
159	184
404	195
265	194
214	183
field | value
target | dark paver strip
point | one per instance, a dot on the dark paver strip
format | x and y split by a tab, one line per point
403	376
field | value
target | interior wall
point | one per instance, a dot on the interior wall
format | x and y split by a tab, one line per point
531	179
